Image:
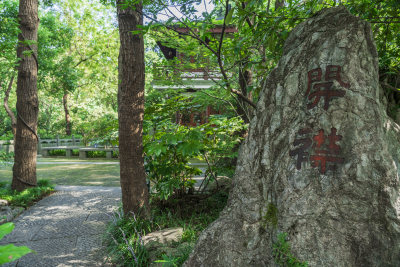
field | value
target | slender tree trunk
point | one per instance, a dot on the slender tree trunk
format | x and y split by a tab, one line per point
245	80
67	116
8	110
135	195
279	4
24	170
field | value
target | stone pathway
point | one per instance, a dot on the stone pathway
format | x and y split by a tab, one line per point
66	228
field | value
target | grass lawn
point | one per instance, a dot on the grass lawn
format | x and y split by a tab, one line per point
72	174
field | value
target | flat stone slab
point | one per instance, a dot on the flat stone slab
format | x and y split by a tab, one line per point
66	228
165	236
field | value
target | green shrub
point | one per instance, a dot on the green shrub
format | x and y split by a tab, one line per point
192	213
6	158
282	254
124	239
96	154
57	152
169	150
27	197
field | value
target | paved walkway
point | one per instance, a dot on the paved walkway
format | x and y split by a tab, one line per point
66	228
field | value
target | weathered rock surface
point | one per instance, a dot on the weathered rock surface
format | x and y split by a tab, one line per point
163	242
164	236
322	152
3	202
8	213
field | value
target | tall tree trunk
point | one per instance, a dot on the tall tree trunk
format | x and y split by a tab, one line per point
279	4
8	110
135	195
67	116
24	170
245	80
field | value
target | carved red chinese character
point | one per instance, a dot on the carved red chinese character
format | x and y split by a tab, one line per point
326	153
323	88
304	145
314	75
333	73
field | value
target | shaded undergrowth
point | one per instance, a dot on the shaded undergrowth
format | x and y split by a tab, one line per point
192	212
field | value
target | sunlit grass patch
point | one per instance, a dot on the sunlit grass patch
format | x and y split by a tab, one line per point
72	174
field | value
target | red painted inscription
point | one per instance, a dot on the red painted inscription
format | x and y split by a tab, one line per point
304	145
317	88
325	150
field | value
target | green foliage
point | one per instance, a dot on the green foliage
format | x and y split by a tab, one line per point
170	146
126	245
193	214
9	253
96	154
271	215
57	152
27	197
6	158
282	254
189	234
175	261
168	152
221	138
167	156
8	37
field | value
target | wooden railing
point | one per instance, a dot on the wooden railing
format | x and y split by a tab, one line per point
169	72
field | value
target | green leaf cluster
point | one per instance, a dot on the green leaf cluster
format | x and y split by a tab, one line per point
28	196
282	253
10	252
169	146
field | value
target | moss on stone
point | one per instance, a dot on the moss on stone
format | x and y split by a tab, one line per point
271	216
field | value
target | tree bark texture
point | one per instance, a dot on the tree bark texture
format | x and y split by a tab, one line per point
24	170
67	116
8	110
135	196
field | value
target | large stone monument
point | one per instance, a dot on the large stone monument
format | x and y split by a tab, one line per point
321	161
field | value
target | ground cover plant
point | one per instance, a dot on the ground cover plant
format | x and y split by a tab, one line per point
191	212
28	196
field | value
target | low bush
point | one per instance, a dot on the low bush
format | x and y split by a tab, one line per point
75	152
169	150
96	154
57	152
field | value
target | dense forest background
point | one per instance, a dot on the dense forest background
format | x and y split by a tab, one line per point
78	57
